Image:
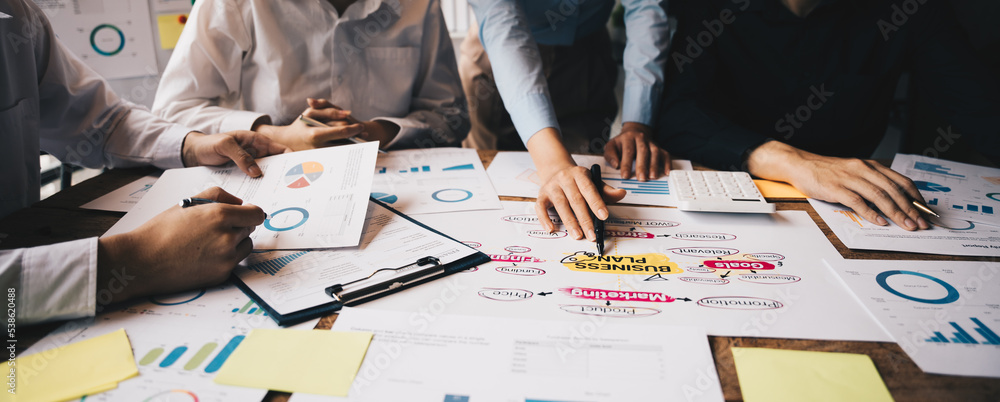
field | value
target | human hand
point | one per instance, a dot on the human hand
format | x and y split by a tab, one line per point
635	144
374	130
567	188
179	249
241	147
300	136
852	182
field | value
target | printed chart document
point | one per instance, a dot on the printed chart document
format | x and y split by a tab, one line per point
290	281
946	236
959	192
114	37
514	175
313	199
123	199
179	343
732	274
944	314
423	181
462	358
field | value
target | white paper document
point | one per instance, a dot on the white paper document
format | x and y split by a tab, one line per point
944	314
959	192
463	358
179	342
732	274
944	236
114	37
514	175
123	199
423	181
290	281
314	199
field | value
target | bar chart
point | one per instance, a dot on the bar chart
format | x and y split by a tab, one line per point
194	361
250	308
962	336
273	266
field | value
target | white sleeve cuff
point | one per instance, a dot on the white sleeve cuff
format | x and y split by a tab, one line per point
239	120
167	153
59	281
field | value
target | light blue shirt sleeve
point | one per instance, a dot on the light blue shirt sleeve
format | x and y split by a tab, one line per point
648	32
517	65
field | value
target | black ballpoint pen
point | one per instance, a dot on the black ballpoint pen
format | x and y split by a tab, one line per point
595	176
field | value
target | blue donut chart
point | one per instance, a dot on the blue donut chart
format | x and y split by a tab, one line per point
93	40
269	226
949	298
437	195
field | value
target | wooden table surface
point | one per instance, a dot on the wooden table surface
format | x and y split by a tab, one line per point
59	218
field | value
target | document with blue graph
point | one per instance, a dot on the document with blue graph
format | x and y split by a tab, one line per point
291	284
964	195
514	175
426	181
944	314
179	343
314	199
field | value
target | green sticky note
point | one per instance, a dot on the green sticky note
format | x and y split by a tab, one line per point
68	372
775	375
288	360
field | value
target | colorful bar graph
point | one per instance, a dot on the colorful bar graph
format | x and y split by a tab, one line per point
220	358
151	356
961	336
173	356
381	170
249	308
200	356
932	202
987	333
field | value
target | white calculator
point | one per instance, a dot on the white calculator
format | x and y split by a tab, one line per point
717	192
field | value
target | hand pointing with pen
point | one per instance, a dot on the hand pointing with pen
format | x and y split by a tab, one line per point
181	248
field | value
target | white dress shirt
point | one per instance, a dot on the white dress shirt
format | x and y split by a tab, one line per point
51	101
240	60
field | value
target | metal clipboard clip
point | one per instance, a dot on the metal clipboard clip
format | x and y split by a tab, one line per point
385	280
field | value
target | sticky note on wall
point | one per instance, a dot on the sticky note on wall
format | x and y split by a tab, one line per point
171	26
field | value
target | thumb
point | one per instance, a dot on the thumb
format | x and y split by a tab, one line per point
612	195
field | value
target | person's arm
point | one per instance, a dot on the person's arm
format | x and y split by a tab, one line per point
648	32
438	111
690	126
205	69
517	69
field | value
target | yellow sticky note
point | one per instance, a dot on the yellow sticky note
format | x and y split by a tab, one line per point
314	362
82	368
171	26
776	375
777	189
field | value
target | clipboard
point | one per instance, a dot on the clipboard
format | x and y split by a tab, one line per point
380	283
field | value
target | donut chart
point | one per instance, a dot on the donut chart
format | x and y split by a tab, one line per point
882	280
285	219
107	40
303	174
451	195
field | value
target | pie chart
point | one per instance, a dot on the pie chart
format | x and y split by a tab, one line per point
303	174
